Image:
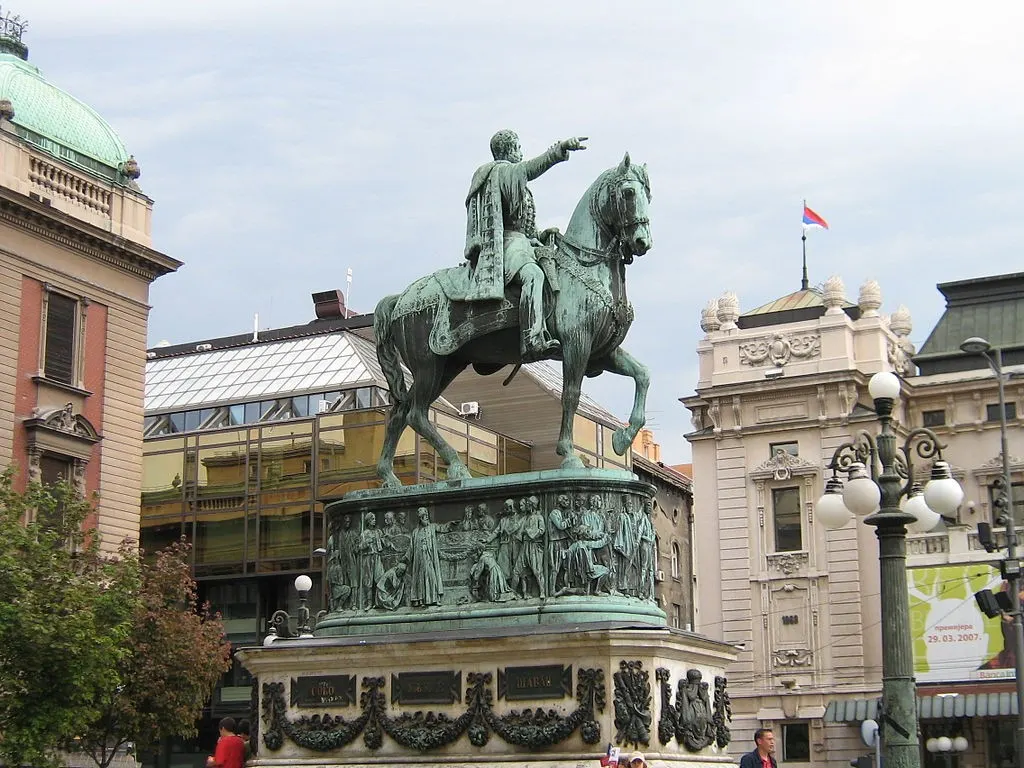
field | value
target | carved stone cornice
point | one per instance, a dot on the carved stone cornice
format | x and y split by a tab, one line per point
994	466
778	348
60	228
783	466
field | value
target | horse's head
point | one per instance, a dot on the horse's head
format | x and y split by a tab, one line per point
629	194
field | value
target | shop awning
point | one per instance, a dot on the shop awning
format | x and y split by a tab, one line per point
929	707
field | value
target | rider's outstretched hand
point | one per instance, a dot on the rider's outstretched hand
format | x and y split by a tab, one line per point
573	144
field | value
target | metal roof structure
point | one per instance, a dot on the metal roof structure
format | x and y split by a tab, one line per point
261	371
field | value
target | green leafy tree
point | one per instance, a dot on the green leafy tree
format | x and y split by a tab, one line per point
177	653
66	615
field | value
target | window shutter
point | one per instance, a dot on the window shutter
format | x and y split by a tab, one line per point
60	339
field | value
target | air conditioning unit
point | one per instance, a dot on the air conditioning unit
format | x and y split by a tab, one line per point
323	406
471	408
659	575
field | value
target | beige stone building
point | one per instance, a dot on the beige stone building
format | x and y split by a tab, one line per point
76	261
780	387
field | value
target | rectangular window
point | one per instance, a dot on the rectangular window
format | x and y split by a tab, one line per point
792	448
992	411
59	352
796	742
786	513
54	469
676	613
935	418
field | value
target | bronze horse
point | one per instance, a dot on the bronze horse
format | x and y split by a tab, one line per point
589	314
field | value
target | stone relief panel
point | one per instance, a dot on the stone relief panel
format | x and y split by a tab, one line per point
778	349
693	720
530	547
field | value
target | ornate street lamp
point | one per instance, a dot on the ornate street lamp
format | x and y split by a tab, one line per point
1003	503
880	474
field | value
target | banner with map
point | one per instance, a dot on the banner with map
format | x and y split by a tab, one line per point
953	639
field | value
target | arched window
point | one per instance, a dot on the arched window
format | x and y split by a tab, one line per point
675	561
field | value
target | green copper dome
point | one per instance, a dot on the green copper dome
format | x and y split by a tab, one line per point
57	121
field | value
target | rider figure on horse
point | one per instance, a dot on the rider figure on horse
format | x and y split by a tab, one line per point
501	234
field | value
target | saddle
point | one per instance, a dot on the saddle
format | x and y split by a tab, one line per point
457	321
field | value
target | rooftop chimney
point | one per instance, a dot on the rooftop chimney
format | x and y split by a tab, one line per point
329	304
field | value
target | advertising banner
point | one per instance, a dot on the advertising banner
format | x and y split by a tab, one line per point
953	639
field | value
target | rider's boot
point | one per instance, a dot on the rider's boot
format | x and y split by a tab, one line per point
535	344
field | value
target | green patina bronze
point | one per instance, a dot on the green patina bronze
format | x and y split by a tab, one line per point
521	295
563	546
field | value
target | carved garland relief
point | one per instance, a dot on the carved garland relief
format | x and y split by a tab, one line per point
779	349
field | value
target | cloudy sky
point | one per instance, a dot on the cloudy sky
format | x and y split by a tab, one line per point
284	143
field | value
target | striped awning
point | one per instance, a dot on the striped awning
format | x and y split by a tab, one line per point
929	707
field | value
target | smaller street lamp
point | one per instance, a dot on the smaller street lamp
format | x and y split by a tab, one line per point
280	621
879	475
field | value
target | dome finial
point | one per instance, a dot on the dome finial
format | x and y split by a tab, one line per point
12	27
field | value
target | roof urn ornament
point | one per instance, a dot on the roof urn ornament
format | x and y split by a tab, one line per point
728	310
834	295
900	322
6	109
709	317
870	298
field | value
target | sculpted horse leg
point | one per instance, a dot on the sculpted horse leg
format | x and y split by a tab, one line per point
575	354
432	376
397	421
624	364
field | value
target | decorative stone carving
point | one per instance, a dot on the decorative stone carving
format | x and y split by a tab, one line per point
779	349
728	311
709	321
792	657
834	295
691	720
6	109
787	563
425	731
723	713
632	704
782	466
900	322
870	298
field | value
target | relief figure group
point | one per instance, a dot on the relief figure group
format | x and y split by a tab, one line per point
585	544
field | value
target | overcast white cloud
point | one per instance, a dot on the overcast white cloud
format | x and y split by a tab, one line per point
284	143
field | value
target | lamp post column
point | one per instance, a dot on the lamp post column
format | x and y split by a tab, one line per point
898	723
1013	574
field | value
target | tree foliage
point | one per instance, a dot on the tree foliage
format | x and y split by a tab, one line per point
95	651
177	654
64	622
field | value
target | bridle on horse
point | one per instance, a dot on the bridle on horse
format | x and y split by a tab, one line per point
627	220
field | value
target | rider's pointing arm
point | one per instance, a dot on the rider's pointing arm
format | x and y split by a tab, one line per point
557	153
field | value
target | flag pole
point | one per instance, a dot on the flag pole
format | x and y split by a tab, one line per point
803	239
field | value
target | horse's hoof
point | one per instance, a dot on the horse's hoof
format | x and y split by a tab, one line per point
620	442
458	472
572	461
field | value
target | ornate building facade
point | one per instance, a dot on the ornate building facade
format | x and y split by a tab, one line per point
76	262
780	387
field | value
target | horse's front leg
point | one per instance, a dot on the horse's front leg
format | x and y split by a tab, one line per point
574	365
624	364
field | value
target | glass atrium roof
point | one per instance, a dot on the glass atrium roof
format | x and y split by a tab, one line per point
261	371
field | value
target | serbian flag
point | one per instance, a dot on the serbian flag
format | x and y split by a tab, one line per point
611	757
811	219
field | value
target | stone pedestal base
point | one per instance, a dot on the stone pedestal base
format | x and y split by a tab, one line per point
537	697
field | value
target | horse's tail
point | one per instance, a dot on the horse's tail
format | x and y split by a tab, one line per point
387	351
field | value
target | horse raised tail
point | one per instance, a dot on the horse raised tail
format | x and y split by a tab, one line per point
387	351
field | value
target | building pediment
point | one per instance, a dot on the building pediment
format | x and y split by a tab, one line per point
61	430
783	466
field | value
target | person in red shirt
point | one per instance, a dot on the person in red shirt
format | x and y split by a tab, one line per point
230	752
764	755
